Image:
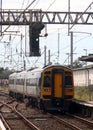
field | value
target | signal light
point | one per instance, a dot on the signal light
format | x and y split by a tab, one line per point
37	39
34	31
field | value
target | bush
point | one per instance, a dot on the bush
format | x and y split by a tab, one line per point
83	93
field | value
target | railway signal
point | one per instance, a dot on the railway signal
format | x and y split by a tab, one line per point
34	32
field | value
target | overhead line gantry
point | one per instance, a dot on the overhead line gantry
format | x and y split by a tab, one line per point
21	17
36	19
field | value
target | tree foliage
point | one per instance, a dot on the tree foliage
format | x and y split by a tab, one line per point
77	64
4	73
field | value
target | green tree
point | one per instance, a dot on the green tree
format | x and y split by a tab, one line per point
77	64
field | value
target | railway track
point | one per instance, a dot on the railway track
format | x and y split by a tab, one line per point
11	118
63	120
42	120
68	124
85	121
75	122
15	115
15	120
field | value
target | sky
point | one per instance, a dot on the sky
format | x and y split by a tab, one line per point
11	54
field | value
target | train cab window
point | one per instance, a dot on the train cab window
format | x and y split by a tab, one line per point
47	81
68	80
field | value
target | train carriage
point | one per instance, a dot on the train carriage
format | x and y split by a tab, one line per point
17	84
57	87
33	82
50	88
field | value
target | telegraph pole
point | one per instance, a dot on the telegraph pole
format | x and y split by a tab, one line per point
48	57
44	55
58	44
71	50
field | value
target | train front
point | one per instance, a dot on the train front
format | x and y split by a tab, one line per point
57	88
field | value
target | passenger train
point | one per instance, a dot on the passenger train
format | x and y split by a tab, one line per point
49	88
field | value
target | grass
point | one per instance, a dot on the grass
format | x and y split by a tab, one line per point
4	88
83	93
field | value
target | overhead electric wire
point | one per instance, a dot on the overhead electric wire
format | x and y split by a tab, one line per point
24	11
21	13
83	13
9	25
50	5
26	7
81	39
37	60
18	27
22	4
36	4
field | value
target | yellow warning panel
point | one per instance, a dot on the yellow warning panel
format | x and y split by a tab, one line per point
58	85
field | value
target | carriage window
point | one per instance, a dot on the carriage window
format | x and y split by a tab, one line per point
11	81
47	81
32	81
39	83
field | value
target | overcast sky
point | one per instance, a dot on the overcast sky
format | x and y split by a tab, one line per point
82	40
61	5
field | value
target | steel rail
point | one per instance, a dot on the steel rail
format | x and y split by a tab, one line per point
29	123
65	122
89	123
4	122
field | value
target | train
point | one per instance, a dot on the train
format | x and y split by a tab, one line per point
48	88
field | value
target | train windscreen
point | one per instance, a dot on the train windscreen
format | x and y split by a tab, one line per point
47	81
68	79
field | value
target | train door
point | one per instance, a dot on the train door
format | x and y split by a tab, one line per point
58	84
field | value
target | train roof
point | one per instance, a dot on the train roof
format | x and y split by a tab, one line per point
12	75
35	73
17	74
36	70
56	65
21	74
